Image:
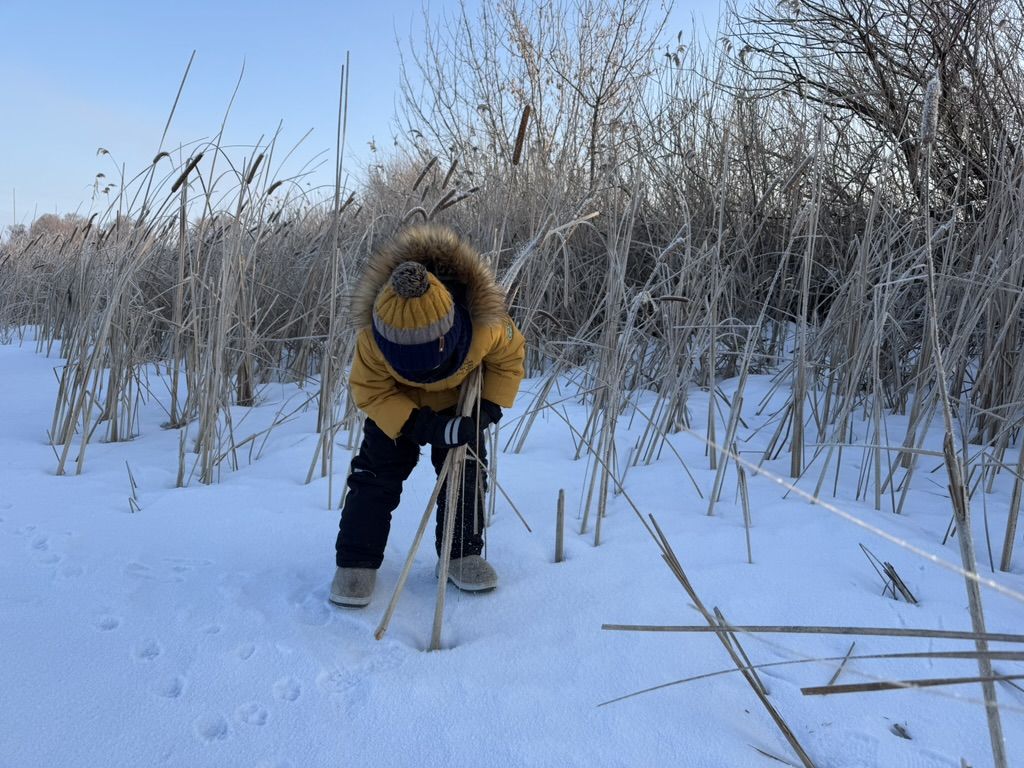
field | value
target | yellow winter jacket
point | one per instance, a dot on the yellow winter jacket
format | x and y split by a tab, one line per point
497	345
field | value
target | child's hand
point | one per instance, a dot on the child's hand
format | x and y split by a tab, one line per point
490	413
425	426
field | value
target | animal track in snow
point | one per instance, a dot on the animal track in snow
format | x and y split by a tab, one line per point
347	680
859	750
41	543
311	607
212	629
287	689
184	564
145	573
928	759
108	623
245	651
251	714
169	687
211	728
147	650
337	680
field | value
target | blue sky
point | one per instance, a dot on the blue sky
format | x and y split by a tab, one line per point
79	76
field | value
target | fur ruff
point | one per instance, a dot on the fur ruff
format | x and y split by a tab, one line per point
444	254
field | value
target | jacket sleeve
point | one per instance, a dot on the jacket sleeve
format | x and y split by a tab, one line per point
375	391
503	365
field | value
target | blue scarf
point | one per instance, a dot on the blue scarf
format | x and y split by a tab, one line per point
456	345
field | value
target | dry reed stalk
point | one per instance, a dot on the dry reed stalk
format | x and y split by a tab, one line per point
780	629
619	487
1014	512
469	397
800	381
896	685
731	426
499	488
957	491
178	311
842	664
517	439
677	570
716	282
927	655
493	451
731	636
968	575
330	376
891	580
560	527
615	335
741	482
389	612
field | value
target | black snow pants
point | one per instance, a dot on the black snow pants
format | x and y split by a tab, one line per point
375	487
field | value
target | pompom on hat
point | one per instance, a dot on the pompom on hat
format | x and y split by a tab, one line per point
415	322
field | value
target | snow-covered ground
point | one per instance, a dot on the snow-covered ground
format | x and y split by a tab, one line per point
197	632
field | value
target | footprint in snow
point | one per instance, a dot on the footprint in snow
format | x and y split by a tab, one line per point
147	650
857	748
351	682
211	728
169	687
927	759
338	681
251	714
311	608
287	689
144	572
108	623
182	566
212	629
71	571
187	563
245	651
41	543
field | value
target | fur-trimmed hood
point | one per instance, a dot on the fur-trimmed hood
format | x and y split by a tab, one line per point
443	253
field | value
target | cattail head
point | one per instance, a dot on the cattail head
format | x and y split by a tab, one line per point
930	114
517	152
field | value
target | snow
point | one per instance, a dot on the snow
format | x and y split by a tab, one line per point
197	632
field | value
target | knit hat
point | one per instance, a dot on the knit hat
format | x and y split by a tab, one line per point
414	319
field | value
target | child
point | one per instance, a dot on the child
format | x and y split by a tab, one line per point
429	313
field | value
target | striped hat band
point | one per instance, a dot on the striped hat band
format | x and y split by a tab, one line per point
417	335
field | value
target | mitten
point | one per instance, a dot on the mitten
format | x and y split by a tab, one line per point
424	426
490	413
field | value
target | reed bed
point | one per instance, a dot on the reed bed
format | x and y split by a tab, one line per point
666	215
